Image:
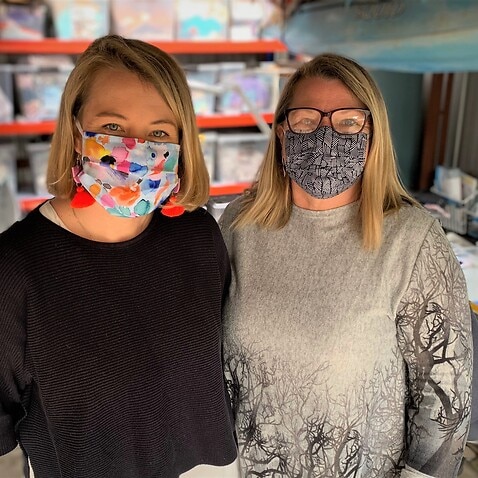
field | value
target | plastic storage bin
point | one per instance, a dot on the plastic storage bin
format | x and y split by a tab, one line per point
216	204
38	158
39	91
202	19
246	18
473	225
239	156
206	74
22	22
144	19
77	19
9	210
8	165
208	145
6	93
456	212
259	86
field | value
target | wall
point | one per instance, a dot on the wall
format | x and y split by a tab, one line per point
403	94
468	141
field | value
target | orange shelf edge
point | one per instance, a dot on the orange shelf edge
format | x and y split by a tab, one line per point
58	46
225	189
27	128
213	121
231	121
29	203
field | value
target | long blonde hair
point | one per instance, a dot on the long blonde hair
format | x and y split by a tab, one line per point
268	203
153	66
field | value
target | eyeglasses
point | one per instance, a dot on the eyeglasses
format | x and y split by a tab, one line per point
343	120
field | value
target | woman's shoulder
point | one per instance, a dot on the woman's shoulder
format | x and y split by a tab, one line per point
231	212
411	216
411	224
20	230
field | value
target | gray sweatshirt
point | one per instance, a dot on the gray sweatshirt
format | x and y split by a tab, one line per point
343	362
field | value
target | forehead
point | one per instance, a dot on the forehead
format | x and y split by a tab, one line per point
324	94
123	89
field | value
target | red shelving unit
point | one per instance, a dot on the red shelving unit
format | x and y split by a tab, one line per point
28	128
18	128
49	46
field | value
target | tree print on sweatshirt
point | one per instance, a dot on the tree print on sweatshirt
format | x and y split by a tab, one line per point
409	409
435	344
289	424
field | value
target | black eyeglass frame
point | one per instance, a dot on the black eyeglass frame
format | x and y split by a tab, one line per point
327	114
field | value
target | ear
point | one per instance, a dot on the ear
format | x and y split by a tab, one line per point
77	138
280	131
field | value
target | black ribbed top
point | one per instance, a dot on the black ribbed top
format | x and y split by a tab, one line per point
111	353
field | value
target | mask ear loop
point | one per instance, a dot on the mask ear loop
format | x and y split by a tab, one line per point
171	209
82	197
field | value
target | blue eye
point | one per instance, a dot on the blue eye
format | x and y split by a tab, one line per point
112	127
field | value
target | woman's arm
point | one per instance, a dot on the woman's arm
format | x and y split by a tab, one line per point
434	335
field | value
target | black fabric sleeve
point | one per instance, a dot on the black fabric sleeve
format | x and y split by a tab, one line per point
12	349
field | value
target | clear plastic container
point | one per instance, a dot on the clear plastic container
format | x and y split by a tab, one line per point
38	157
39	91
80	19
202	19
144	19
9	210
6	93
208	145
22	22
239	156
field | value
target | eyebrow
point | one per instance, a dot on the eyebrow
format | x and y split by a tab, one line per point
109	114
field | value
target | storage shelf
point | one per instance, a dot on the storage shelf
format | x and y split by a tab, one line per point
74	47
231	121
28	203
176	47
27	128
18	128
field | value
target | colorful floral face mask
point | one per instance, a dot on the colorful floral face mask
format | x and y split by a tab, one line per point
129	177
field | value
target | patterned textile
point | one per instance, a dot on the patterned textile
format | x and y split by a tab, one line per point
343	362
325	163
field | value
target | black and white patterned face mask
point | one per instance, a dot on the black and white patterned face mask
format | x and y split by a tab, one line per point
325	163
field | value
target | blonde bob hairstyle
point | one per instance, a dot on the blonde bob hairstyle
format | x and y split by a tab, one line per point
268	203
153	66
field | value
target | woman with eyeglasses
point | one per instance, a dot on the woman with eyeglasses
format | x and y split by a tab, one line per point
347	326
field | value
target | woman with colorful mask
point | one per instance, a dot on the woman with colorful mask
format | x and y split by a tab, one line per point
347	326
111	292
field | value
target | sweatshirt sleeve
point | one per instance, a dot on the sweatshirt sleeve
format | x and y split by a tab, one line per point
434	335
12	350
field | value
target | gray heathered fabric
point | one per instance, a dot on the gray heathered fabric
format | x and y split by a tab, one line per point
343	362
